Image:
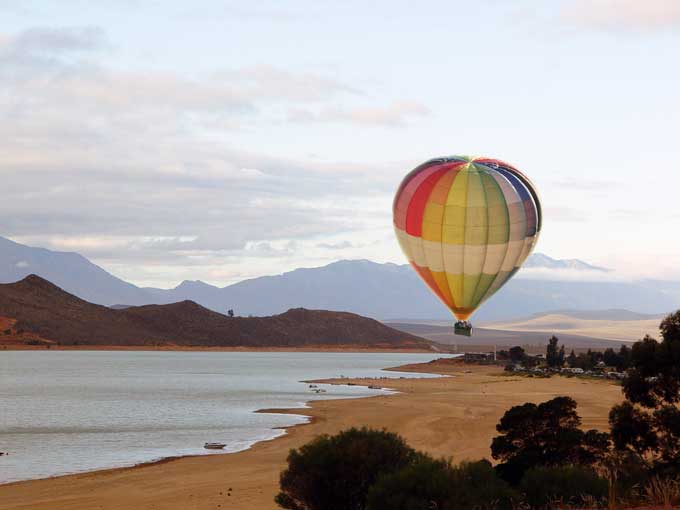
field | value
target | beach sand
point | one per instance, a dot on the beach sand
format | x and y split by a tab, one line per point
451	417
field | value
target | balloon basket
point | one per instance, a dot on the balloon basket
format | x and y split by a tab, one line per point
462	328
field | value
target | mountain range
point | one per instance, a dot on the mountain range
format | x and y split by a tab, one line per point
381	291
35	311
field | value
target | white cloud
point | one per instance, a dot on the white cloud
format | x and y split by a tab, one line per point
343	245
624	14
575	275
396	114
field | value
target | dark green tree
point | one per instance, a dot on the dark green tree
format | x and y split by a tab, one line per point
426	484
654	374
517	354
543	487
552	353
571	360
336	472
584	361
631	429
652	430
436	484
610	358
546	434
624	358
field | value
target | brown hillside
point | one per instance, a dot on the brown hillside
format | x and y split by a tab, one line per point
43	310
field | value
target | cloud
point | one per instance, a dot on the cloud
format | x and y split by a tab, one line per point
572	275
623	14
588	185
397	114
273	82
344	245
137	169
565	214
58	40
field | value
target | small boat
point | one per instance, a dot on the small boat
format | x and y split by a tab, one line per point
214	446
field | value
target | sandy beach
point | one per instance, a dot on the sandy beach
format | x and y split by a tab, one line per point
451	417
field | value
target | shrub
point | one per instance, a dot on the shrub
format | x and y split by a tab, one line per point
575	485
662	491
478	486
546	434
336	472
424	485
430	483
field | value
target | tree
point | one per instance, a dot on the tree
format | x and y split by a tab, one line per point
546	434
571	360
230	312
554	357
436	484
631	429
610	358
654	374
551	352
517	354
336	472
651	430
624	358
584	361
670	327
571	485
426	484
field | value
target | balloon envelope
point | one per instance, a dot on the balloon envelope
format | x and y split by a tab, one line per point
466	225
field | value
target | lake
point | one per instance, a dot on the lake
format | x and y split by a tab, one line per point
72	411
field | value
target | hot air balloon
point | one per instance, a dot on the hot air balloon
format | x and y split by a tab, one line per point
466	225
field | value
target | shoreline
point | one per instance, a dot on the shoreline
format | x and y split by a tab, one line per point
446	416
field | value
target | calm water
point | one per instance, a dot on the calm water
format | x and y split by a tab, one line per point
65	412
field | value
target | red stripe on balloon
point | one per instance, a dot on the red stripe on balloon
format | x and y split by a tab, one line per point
405	194
416	207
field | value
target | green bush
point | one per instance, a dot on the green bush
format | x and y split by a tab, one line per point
336	472
479	487
546	434
573	485
424	485
430	483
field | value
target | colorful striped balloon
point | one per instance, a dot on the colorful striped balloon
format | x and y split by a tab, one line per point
466	224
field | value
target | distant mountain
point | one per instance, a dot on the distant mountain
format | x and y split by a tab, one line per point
381	291
390	291
70	271
35	309
539	260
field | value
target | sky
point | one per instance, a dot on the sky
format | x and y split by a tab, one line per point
218	141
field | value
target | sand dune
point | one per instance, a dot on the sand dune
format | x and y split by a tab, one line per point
622	330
